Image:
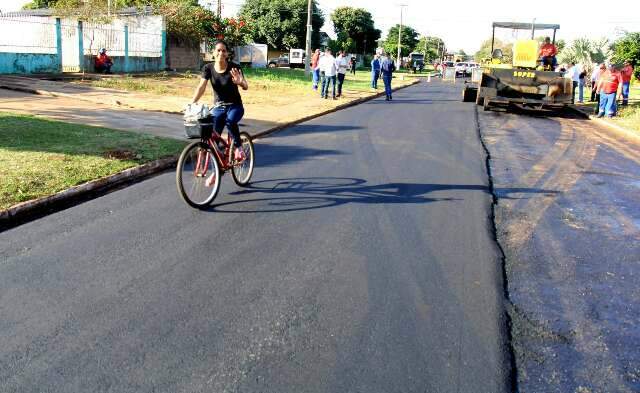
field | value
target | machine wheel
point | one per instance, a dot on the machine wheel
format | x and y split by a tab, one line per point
469	94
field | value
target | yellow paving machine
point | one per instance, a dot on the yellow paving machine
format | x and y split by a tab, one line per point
524	82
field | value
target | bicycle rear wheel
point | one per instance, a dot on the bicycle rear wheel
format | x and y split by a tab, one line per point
242	172
198	175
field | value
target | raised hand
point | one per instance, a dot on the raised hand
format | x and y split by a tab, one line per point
236	76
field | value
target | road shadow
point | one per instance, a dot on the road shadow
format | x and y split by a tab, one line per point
312	128
297	194
275	155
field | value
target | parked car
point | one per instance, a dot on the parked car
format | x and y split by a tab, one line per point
295	58
461	68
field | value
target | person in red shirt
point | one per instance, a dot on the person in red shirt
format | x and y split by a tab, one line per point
626	72
609	85
548	53
103	62
315	70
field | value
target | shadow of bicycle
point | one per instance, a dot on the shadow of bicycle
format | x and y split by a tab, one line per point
297	194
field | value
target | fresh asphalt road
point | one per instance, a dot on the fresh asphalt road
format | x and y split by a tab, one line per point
360	259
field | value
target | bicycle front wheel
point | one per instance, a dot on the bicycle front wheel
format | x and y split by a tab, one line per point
242	171
198	175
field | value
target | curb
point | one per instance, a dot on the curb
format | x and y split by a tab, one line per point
26	211
627	132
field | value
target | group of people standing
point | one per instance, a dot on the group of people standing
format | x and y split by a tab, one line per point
608	84
328	70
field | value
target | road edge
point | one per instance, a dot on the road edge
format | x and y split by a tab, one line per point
30	210
626	131
508	309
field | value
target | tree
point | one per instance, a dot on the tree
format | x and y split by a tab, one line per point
586	52
431	47
485	50
408	43
37	4
628	48
282	24
185	19
355	29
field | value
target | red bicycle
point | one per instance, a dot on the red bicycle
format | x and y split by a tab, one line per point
202	164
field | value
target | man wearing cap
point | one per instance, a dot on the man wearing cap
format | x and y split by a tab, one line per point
609	85
103	62
626	72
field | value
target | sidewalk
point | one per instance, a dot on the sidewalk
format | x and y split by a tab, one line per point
95	114
259	117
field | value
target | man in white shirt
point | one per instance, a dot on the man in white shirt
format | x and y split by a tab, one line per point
328	72
595	77
573	73
341	64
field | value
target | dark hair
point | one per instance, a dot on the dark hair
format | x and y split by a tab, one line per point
223	42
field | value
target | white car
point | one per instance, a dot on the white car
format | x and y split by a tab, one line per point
461	68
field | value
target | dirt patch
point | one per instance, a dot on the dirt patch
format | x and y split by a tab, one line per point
121	155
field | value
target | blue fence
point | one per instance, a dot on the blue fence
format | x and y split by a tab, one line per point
37	44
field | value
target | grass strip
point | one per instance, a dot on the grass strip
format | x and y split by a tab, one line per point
40	157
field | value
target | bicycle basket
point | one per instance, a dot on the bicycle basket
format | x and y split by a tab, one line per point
198	122
200	128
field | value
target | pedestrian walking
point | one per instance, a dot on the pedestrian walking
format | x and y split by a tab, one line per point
581	80
353	63
341	65
627	73
375	71
328	72
598	69
315	69
387	67
609	85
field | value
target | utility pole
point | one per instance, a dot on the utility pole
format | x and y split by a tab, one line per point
400	35
109	8
219	8
307	49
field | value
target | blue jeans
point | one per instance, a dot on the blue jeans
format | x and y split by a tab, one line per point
625	92
316	78
387	84
375	75
581	90
607	104
325	86
228	115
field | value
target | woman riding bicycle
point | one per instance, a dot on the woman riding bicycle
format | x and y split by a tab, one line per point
225	78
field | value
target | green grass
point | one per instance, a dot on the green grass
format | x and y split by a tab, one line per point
40	157
271	79
629	116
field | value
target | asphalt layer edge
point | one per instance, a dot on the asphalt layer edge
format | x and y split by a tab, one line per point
30	210
509	309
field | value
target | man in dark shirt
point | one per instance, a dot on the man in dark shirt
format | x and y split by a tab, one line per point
225	77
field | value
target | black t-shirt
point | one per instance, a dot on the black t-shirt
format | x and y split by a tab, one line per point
224	90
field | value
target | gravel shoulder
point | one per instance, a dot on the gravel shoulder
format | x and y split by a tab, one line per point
568	219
